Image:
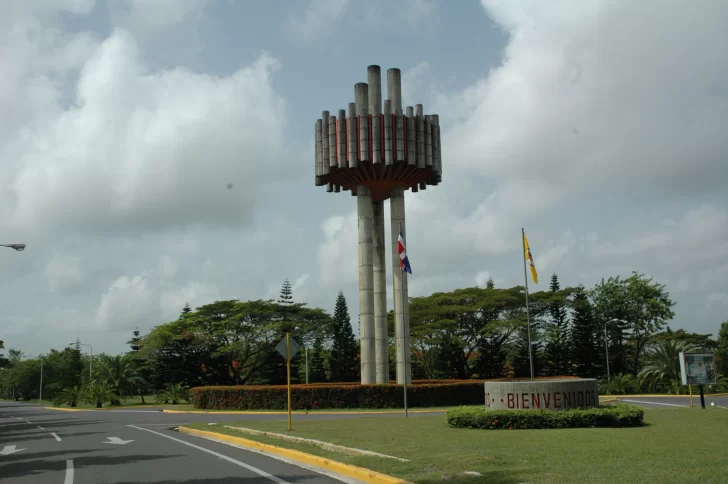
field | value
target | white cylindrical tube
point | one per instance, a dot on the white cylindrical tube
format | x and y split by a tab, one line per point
333	161
428	141
399	132
366	286
319	154
341	130
352	136
325	164
411	146
381	333
363	119
388	141
401	300
394	89
420	136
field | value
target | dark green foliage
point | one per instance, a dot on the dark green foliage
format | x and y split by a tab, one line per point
186	309
344	356
556	333
317	369
586	342
604	416
286	293
337	396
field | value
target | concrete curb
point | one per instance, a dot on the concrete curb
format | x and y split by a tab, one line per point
354	472
273	412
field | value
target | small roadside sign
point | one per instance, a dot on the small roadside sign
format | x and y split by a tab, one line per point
281	348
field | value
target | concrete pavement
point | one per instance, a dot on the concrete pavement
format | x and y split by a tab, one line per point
42	446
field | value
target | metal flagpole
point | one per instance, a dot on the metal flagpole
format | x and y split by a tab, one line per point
401	308
528	315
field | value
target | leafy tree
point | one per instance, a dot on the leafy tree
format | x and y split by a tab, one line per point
585	336
557	331
69	396
4	362
317	371
344	355
702	342
490	283
96	393
722	351
643	308
662	372
175	393
120	374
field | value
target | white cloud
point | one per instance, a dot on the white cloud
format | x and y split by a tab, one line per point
126	304
63	271
317	18
145	149
601	94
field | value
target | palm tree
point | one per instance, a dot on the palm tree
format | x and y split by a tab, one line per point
621	384
663	369
96	393
68	396
174	392
120	373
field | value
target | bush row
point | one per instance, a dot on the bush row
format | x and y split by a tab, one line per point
618	415
312	397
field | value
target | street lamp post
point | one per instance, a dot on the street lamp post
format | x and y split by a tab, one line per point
91	361
606	345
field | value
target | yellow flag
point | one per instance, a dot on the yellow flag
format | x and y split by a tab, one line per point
529	259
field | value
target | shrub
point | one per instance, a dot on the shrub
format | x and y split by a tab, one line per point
307	397
618	415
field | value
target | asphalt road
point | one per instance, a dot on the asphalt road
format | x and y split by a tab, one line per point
721	402
41	446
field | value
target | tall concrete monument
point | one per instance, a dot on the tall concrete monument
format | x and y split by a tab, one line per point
376	153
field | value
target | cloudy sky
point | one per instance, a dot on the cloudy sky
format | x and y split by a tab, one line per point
601	127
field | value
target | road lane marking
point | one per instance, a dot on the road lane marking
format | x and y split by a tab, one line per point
10	449
653	403
69	472
260	472
56	436
29	421
116	440
40	427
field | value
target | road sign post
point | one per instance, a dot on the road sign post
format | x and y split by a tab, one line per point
288	348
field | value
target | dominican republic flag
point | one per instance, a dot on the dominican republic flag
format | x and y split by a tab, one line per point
404	264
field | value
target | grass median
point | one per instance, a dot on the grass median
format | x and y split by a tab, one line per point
674	446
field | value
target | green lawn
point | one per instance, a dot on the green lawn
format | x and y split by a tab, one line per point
675	446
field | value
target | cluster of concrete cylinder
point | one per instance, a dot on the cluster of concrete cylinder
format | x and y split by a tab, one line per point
378	153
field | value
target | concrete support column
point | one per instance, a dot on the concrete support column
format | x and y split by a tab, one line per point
366	286
381	333
401	301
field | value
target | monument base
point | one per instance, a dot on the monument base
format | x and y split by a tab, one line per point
556	394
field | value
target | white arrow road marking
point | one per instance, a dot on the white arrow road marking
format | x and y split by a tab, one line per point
116	440
260	472
56	436
9	449
69	472
29	421
40	427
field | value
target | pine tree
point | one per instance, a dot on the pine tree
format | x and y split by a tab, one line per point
490	284
317	372
585	336
557	332
343	360
186	309
135	342
286	293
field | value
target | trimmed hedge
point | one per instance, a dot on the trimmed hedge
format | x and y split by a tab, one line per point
618	415
312	397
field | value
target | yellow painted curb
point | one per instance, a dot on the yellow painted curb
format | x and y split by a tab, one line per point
354	472
271	412
72	409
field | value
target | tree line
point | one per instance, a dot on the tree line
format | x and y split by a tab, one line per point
477	332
